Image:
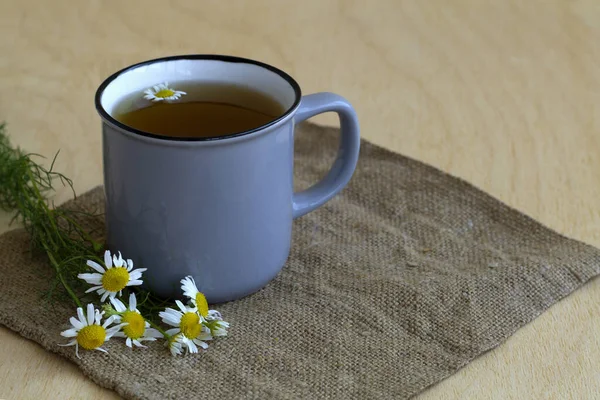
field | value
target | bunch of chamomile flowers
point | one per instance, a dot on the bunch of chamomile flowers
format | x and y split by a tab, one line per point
190	326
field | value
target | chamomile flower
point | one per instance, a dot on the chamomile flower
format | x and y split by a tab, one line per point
135	328
112	280
211	318
215	323
174	345
87	332
162	92
187	325
190	290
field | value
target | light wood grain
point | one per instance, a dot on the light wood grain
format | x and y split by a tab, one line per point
502	93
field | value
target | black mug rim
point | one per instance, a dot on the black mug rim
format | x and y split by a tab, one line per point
106	116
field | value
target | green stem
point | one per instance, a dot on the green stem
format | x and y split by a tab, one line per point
158	328
85	235
61	278
41	201
69	290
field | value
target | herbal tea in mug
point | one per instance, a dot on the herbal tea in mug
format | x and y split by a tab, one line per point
194	109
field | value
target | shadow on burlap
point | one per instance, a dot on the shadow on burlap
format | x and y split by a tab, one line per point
390	287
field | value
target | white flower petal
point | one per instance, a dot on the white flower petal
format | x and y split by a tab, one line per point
81	316
69	332
107	259
132	302
93	278
183	308
172	312
173	321
189	288
137	273
110	332
118	304
170	320
95	266
105	295
71	343
134	283
77	324
134	275
167	312
201	343
93	288
102	350
118	261
128	342
108	321
214	315
192	346
172	331
174	347
90	314
152	333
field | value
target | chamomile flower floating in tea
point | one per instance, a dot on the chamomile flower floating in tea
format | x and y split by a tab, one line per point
87	331
112	280
162	92
188	325
136	329
224	109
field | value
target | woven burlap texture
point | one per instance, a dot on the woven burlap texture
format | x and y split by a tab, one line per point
393	285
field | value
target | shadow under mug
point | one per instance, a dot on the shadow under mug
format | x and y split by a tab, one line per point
220	208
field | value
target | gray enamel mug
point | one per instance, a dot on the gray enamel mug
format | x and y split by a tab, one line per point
219	208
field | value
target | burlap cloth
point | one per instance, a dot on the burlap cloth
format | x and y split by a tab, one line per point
395	284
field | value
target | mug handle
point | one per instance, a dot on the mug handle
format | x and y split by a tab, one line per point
347	156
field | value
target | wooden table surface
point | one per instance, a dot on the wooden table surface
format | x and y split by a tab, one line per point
505	94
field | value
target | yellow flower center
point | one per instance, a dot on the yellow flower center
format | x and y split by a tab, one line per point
115	279
137	325
164	93
190	325
202	304
91	337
